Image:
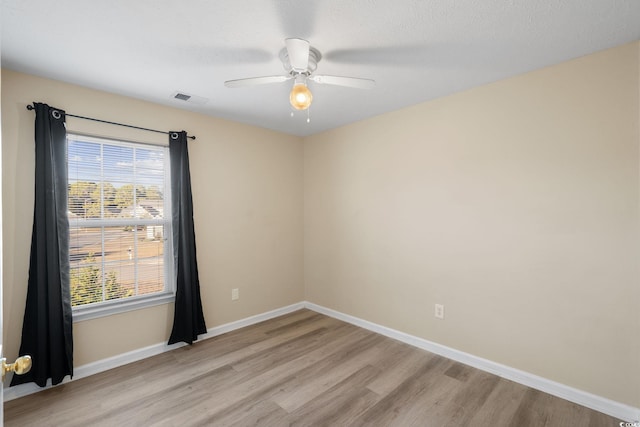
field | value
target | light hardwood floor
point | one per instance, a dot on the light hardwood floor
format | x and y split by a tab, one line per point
302	369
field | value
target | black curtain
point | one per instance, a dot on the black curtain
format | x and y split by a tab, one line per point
47	326
188	320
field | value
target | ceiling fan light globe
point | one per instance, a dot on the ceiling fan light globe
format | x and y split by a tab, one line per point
300	97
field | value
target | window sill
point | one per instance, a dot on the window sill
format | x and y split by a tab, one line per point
107	309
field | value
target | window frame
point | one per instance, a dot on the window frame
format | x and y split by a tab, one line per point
136	302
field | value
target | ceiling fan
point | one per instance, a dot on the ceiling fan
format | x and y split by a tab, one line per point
300	60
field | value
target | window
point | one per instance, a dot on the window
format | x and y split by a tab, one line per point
119	225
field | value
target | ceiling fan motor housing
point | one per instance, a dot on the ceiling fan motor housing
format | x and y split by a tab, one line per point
314	57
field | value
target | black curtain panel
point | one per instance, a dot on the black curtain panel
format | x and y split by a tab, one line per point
47	325
188	320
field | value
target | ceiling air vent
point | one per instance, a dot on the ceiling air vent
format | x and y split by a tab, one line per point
182	96
191	99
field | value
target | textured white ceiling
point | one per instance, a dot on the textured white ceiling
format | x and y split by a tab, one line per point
415	50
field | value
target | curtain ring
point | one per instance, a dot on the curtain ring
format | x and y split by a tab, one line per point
56	114
174	135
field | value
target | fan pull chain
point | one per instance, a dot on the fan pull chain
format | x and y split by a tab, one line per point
308	115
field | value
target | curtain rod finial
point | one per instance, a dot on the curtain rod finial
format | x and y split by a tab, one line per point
30	107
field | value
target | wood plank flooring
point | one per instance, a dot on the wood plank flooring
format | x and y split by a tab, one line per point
302	369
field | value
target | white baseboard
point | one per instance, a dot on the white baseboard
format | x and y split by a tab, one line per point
598	403
83	371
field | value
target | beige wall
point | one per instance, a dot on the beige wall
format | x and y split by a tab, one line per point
247	189
516	205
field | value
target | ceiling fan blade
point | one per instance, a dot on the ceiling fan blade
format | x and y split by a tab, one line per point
254	81
344	81
298	51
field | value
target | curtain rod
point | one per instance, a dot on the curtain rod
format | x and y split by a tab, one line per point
31	107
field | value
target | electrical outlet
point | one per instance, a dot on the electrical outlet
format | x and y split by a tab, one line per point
235	294
439	311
